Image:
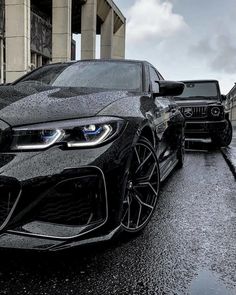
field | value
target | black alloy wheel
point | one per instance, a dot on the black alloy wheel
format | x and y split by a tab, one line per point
142	188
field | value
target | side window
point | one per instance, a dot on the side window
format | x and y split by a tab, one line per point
154	77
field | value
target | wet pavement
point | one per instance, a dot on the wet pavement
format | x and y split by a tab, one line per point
189	247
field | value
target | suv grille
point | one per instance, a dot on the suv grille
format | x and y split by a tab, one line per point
194	112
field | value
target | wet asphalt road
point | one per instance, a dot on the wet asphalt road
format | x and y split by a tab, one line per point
189	247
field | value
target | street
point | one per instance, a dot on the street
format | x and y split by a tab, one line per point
189	247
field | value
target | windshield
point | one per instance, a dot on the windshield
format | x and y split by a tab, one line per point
200	90
104	75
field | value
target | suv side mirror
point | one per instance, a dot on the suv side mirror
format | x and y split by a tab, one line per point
169	88
223	97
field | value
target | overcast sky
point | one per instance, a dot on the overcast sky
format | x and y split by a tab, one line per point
184	39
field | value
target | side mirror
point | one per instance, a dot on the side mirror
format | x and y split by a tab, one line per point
223	97
169	88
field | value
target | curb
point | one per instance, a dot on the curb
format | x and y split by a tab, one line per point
229	154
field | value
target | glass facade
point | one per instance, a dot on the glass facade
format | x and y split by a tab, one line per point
41	35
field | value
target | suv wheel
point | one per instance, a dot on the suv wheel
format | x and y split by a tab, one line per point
225	137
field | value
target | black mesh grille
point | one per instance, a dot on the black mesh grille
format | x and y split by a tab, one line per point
9	191
77	201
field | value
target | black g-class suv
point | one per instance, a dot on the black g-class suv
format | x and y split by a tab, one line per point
205	112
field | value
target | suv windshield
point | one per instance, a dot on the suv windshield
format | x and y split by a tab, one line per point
200	89
99	75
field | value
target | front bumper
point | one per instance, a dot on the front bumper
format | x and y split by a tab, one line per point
204	128
58	198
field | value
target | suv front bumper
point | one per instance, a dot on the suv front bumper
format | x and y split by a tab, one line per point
204	127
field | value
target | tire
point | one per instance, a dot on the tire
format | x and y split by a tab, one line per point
224	138
142	187
181	152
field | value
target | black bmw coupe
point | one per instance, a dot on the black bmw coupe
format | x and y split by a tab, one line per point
83	149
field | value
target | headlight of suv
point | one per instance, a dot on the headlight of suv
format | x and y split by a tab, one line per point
79	133
217	111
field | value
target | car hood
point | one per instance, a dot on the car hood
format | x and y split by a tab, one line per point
26	104
197	102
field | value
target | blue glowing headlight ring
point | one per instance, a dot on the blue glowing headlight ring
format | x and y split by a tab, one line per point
96	132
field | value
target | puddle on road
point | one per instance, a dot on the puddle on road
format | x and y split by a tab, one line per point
206	283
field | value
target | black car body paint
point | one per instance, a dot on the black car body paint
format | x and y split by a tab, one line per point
61	196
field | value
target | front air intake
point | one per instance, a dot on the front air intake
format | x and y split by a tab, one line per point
9	194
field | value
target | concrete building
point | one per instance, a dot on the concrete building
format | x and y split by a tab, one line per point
231	96
33	32
2	41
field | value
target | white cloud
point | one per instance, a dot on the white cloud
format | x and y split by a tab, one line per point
217	51
181	38
148	20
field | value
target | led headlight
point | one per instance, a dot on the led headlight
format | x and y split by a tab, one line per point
215	111
73	134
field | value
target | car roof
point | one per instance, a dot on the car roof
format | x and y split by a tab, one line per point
199	81
100	60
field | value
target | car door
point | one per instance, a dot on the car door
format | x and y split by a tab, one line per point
163	123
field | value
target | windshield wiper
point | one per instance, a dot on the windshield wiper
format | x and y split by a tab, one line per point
35	82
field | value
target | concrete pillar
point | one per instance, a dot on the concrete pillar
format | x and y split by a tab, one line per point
119	43
1	62
88	29
107	36
17	38
61	30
